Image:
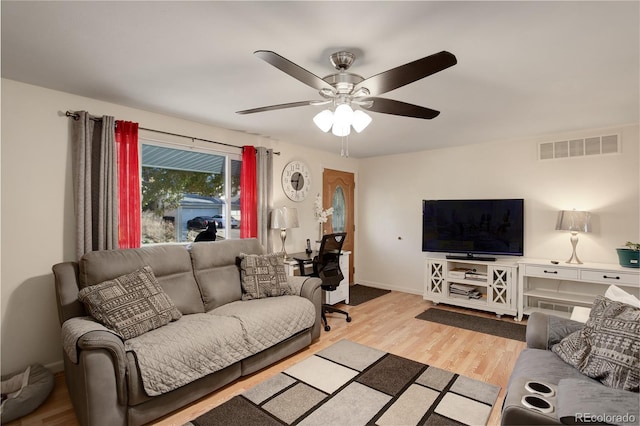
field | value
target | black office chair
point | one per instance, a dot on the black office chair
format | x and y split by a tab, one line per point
326	266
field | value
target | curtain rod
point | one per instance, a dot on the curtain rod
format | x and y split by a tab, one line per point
75	116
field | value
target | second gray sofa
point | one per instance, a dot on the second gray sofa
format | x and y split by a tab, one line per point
576	398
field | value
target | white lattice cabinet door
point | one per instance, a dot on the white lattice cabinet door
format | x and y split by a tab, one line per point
501	287
434	277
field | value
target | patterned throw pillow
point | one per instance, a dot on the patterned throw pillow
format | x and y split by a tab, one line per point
608	347
263	276
131	304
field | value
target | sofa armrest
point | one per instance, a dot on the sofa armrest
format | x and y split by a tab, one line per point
304	286
586	401
85	334
309	288
67	287
544	331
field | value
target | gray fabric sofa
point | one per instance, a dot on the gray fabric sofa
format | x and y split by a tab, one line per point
104	378
577	399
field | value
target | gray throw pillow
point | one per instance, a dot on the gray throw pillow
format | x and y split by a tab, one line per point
263	276
608	346
131	304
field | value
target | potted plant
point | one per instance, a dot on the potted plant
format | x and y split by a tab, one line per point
629	256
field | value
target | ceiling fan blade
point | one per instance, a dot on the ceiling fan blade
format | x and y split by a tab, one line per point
279	106
295	71
390	106
408	73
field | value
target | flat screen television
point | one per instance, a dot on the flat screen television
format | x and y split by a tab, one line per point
469	229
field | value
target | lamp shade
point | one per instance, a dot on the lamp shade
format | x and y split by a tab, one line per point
284	218
574	221
290	217
277	218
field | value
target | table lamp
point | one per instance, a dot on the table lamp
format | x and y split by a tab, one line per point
574	222
284	218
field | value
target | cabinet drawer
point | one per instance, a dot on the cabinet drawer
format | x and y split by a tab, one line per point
551	272
611	277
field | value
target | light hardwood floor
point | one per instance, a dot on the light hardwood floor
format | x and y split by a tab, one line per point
387	323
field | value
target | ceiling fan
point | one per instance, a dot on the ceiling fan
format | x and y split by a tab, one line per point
347	88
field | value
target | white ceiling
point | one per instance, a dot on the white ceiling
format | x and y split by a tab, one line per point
524	69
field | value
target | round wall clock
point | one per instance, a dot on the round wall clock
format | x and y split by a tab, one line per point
296	180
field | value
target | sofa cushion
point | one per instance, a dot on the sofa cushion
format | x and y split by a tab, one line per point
607	347
198	345
215	269
263	276
131	304
186	350
270	320
171	264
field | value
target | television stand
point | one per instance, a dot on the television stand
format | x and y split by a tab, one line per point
471	256
487	286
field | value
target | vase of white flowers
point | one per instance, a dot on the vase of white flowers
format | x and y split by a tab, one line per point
322	216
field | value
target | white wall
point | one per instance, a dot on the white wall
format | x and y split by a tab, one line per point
392	188
37	227
317	162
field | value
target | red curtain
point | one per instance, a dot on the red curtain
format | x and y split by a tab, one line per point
129	232
248	194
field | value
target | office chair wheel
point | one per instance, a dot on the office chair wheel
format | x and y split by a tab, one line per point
327	328
348	319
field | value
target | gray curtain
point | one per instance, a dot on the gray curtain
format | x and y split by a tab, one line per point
264	177
95	182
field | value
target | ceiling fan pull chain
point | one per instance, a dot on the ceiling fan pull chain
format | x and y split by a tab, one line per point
347	146
343	152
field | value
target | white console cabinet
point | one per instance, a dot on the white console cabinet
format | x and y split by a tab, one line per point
557	288
493	283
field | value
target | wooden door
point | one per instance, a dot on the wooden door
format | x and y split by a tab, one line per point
338	192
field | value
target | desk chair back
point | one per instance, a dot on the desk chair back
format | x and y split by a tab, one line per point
327	264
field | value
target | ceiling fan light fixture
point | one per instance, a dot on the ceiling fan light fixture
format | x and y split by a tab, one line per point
343	116
360	120
341	130
324	120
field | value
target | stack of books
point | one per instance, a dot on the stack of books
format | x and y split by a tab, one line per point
459	272
464	291
478	276
467	274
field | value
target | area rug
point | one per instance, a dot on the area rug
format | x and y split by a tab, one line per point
499	328
349	384
359	294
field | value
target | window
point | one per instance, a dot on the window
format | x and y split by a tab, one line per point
183	190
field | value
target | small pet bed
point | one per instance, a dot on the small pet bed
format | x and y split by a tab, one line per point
25	391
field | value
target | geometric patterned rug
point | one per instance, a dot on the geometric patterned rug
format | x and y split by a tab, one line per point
351	384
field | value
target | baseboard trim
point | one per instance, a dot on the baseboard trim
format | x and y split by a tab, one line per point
56	367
